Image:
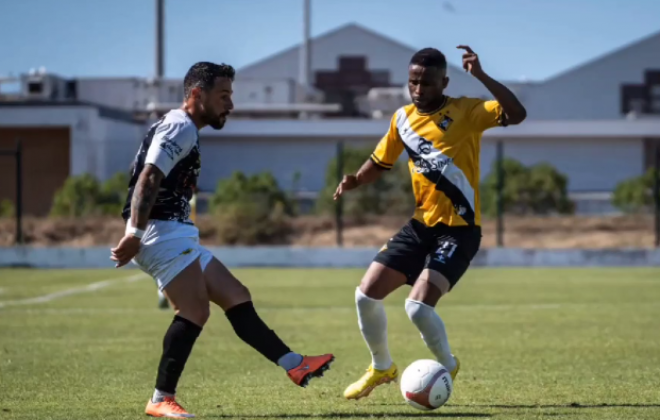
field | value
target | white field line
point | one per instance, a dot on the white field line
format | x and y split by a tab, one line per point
92	287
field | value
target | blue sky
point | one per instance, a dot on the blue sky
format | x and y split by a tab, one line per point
535	39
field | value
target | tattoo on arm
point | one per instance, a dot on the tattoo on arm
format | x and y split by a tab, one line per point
144	195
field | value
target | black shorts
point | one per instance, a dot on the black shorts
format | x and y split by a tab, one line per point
445	249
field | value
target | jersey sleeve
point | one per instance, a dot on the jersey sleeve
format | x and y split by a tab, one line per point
389	147
171	143
486	114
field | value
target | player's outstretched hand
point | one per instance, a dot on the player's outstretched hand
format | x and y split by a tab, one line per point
127	248
349	182
471	61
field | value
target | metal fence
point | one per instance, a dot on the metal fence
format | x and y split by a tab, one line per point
355	221
17	155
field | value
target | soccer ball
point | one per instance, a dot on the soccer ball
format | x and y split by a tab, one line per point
426	384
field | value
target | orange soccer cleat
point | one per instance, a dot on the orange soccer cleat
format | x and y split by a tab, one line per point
311	367
167	408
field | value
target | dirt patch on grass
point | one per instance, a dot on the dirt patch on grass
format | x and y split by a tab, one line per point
530	232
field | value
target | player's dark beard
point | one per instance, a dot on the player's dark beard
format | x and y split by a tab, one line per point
216	122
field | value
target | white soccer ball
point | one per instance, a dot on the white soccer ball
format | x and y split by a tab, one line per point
426	384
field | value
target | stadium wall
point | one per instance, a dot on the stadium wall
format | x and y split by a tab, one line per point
98	257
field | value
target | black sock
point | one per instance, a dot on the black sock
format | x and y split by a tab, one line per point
177	345
251	329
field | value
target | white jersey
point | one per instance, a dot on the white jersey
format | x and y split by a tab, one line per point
172	145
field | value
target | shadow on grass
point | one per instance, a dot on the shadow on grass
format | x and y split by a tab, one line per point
354	415
571	405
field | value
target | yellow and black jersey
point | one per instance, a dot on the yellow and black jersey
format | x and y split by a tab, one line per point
443	157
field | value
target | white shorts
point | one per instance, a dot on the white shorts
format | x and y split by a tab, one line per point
168	247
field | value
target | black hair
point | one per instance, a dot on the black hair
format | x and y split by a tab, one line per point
203	75
429	57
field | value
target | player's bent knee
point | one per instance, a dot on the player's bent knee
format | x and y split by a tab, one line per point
416	310
436	279
379	281
240	294
244	293
429	287
197	313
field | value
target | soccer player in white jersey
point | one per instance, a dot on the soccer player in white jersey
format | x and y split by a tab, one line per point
161	239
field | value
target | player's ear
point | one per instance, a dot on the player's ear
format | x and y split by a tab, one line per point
196	92
445	82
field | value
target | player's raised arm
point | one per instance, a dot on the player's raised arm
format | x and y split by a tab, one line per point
514	110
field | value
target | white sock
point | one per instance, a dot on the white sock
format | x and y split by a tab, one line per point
290	360
433	331
373	325
159	396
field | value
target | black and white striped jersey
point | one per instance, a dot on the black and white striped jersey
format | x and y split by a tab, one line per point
172	145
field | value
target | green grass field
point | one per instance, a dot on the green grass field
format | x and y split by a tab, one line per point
561	344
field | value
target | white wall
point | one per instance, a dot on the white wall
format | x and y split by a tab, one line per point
122	93
264	91
590	164
300	257
118	145
99	146
283	157
81	120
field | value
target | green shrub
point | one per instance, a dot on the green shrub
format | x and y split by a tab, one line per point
636	194
391	194
251	210
83	195
539	189
7	209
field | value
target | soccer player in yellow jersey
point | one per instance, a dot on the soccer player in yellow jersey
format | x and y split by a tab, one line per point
441	136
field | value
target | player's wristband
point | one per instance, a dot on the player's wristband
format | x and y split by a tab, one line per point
138	233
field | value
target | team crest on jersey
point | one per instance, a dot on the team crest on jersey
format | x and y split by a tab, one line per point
444	123
424	146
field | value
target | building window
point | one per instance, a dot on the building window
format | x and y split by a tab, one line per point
637	105
654	93
642	98
655	106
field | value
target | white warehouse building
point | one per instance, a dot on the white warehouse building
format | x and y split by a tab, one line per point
596	123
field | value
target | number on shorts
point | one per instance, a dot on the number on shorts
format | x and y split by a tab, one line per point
446	249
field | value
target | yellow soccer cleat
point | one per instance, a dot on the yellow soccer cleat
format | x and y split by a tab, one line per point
370	380
454	372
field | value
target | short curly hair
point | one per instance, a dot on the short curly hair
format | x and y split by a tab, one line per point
429	57
203	75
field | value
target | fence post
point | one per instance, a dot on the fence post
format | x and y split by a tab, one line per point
19	191
656	189
339	208
500	194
